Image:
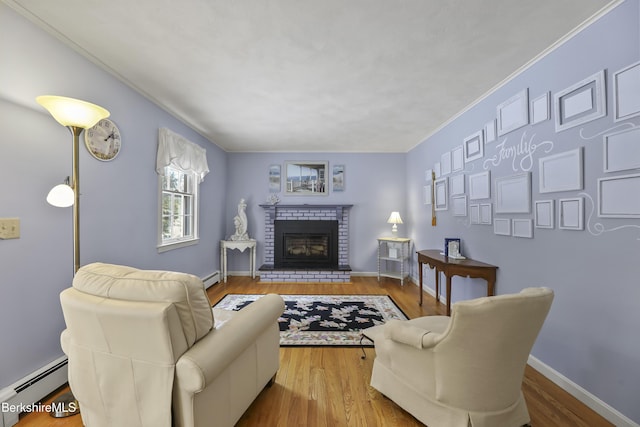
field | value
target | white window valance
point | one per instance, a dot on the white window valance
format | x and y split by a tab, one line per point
176	151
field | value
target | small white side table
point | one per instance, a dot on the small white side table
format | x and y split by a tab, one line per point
240	245
394	249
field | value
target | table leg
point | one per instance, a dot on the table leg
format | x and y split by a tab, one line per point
448	295
437	272
224	264
253	262
420	277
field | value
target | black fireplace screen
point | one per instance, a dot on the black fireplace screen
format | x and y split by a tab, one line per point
306	244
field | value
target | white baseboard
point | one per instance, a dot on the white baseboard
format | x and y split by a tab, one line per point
593	402
211	279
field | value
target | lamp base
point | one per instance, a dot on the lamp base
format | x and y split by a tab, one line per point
64	406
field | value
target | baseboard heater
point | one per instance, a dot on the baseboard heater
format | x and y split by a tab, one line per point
22	395
210	280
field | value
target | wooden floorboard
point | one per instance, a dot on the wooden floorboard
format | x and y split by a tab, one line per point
328	387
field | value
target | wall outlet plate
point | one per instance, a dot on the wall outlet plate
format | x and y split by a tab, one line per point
9	228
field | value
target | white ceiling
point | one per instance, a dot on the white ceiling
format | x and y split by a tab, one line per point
311	75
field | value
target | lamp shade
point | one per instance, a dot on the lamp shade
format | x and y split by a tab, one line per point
394	218
72	112
61	196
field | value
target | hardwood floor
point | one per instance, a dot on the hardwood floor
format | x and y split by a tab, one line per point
324	386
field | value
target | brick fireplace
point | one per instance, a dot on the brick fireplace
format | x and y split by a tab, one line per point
307	237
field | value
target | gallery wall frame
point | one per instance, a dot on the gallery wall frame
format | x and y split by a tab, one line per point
459	204
490	131
540	108
480	185
561	172
473	146
581	102
522	227
486	210
502	226
513	193
441	194
426	194
622	150
445	163
306	178
474	214
338	177
274	178
456	183
457	159
544	213
513	113
626	92
571	213
618	196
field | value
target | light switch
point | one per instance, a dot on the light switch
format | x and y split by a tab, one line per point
9	228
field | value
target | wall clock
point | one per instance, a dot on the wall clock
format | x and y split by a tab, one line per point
103	140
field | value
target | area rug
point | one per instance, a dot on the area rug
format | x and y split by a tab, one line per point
325	320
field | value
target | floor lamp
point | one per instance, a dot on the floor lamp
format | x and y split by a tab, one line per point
76	115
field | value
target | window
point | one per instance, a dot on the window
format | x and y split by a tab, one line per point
178	208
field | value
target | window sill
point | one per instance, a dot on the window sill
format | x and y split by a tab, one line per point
176	245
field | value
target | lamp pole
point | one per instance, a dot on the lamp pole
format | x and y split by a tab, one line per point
75	185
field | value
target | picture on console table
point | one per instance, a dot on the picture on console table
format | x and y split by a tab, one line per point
306	178
452	248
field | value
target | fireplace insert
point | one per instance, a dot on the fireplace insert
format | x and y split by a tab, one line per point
305	244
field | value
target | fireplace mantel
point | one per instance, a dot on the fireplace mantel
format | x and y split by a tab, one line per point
272	209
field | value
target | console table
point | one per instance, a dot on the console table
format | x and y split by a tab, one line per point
240	245
455	267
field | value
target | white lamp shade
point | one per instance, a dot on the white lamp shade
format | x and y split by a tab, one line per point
394	218
61	196
73	112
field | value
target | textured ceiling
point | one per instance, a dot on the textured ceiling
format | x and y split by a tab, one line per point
309	75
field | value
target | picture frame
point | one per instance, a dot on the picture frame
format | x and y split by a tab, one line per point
490	131
457	159
571	214
544	214
621	150
459	204
502	226
441	194
426	192
437	170
445	163
306	178
581	103
457	184
474	214
513	113
274	179
486	210
561	172
452	247
626	92
480	185
618	196
473	146
540	109
522	227
337	177
513	193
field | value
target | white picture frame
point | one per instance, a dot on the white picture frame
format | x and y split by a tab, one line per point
473	146
502	226
571	213
626	92
441	194
618	196
445	163
540	109
474	214
513	113
513	193
486	216
480	185
459	205
522	227
561	172
437	170
426	194
457	159
622	150
456	184
581	103
490	132
544	214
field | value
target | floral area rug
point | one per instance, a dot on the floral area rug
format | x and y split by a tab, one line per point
325	320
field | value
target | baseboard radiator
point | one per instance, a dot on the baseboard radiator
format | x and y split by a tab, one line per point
210	280
22	395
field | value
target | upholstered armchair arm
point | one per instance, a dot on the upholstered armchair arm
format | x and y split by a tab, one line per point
202	363
415	336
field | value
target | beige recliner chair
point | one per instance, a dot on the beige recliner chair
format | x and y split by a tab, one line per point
143	349
464	370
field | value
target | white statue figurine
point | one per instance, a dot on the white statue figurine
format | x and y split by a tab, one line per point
240	222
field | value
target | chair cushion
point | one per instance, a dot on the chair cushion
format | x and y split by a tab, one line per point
120	282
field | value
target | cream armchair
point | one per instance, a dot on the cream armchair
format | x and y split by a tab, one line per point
143	349
464	370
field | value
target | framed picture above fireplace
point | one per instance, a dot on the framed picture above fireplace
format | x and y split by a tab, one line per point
306	178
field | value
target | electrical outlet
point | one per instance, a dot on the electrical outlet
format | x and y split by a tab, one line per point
9	228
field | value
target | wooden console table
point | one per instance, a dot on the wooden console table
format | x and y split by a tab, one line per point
455	267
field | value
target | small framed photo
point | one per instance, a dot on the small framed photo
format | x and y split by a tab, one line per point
452	247
274	178
338	177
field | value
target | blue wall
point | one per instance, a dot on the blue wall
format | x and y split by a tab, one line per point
591	335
